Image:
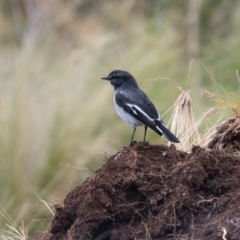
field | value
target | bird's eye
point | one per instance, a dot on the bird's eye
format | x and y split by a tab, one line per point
117	75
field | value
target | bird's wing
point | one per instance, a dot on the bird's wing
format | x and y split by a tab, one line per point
137	104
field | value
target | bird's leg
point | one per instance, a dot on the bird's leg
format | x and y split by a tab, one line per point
134	129
145	132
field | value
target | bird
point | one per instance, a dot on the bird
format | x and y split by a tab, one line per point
134	106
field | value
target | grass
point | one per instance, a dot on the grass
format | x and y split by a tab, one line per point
14	231
57	119
183	122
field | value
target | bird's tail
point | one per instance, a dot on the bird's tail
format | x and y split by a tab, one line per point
163	130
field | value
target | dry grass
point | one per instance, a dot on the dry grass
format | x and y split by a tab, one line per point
224	100
183	120
227	101
14	231
221	97
184	124
208	134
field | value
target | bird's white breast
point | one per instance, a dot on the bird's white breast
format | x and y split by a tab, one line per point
126	117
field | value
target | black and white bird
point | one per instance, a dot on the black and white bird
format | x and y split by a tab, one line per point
134	107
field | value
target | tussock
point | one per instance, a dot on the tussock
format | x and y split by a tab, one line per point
183	119
184	124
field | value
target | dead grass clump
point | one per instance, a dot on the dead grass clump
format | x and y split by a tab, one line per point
183	120
184	124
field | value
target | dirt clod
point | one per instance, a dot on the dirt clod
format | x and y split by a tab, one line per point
227	136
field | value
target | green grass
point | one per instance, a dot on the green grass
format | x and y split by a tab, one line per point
57	118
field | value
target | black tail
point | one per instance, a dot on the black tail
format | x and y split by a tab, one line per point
163	130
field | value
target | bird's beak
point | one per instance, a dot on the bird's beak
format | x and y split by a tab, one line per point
105	78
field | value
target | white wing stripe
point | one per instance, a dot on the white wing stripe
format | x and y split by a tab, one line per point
140	110
159	129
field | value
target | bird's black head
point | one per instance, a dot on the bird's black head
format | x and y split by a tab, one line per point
121	78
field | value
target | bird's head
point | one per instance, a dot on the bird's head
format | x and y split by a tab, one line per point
119	77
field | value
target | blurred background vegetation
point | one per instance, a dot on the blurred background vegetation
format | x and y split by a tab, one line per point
57	118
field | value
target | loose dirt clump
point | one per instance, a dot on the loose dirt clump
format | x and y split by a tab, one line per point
155	192
227	136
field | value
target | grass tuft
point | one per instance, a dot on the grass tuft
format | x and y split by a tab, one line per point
183	122
15	232
184	125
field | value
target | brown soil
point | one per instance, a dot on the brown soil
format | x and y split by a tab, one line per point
155	192
227	136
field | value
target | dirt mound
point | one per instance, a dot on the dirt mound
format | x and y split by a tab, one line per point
154	192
